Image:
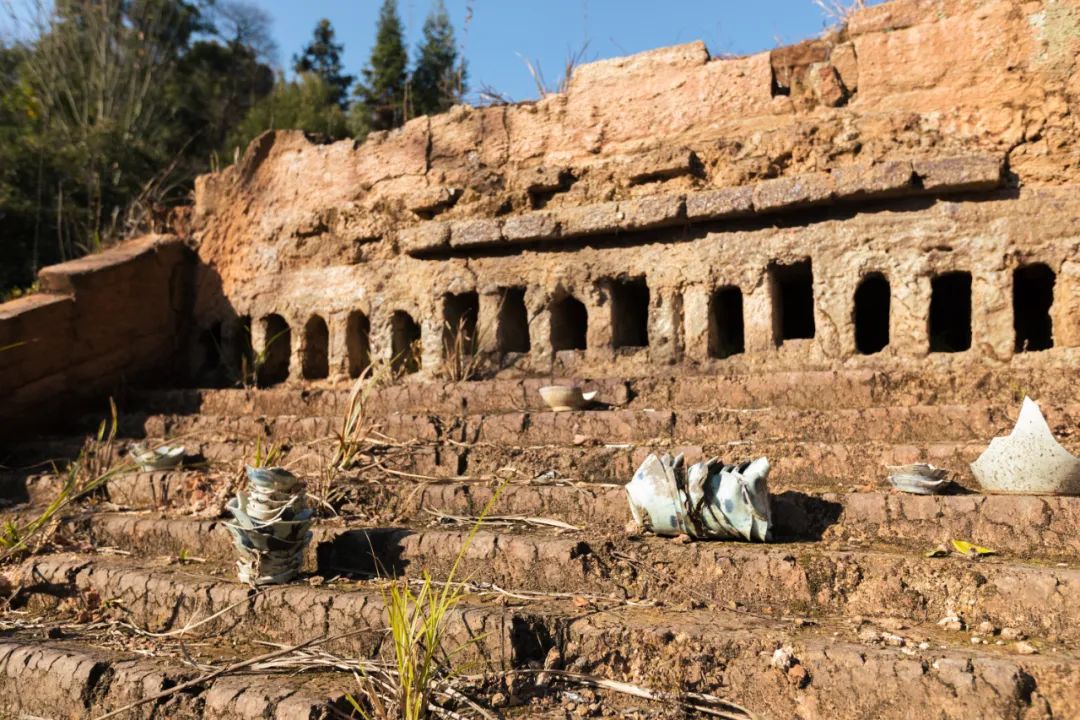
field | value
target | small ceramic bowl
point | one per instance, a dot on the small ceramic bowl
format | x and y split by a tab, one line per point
918	479
162	458
562	398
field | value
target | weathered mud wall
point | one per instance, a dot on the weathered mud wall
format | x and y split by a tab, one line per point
926	138
97	321
899	192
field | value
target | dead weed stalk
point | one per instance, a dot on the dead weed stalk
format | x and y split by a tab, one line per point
839	12
251	362
93	467
462	358
359	433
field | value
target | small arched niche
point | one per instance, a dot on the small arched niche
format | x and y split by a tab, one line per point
726	330
569	324
358	343
404	343
871	315
273	363
316	361
950	312
1033	296
512	334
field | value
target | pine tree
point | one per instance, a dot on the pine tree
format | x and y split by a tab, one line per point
438	81
382	91
300	105
322	56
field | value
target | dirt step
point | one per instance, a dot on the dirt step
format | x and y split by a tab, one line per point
518	428
839	671
161	594
804	466
785	579
922	423
78	680
777	578
1026	526
849	669
809	389
487	396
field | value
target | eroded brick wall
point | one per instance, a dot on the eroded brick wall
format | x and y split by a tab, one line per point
672	208
96	322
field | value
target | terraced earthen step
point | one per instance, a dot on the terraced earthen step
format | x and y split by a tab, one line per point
1025	526
71	679
919	423
160	595
787	579
844	669
806	466
836	676
805	389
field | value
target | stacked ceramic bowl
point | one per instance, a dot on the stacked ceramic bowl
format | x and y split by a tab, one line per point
271	526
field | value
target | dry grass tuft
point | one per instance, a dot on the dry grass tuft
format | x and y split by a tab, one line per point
94	466
839	12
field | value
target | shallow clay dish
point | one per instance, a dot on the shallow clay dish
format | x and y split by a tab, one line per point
918	479
562	398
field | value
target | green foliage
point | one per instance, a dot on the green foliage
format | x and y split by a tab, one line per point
438	81
381	93
306	104
322	56
266	457
107	111
91	470
423	667
109	108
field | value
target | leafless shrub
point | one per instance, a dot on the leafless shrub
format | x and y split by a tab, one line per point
573	59
839	12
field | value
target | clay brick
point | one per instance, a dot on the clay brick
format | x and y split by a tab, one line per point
792	192
959	174
542	179
431	199
424	237
877	180
469	233
651	212
825	81
531	226
590	219
845	61
789	63
890	16
661	165
723	203
74	274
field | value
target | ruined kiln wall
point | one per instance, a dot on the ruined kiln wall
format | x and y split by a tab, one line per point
96	321
926	137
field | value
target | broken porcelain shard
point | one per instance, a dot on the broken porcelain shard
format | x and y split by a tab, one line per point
918	479
708	500
271	526
1028	460
163	458
562	398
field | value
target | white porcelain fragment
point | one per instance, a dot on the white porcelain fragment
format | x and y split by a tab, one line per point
918	479
1029	460
708	500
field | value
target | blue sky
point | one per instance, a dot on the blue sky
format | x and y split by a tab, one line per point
502	32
